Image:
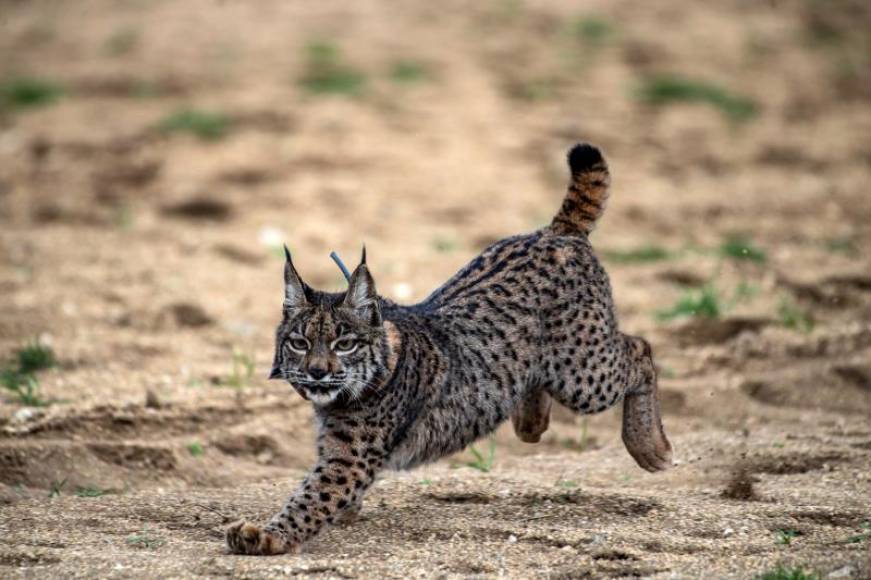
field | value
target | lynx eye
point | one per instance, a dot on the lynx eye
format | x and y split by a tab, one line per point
298	344
345	345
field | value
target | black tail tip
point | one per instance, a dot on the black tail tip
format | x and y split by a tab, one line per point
584	156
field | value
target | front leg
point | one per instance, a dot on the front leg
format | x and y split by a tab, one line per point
345	469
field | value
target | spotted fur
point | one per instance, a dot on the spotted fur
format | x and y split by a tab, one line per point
529	320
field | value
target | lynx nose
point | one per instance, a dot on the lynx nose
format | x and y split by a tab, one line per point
317	373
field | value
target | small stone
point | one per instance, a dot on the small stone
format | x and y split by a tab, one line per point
151	400
512	539
728	532
26	414
843	572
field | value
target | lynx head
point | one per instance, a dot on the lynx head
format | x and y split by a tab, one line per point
331	347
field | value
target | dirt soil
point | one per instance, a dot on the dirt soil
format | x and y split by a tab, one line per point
147	260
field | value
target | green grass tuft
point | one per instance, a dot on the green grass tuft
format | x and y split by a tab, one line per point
56	487
703	302
208	126
481	462
592	30
639	255
665	89
242	370
535	89
19	377
444	245
145	539
25	387
408	72
28	92
862	536
195	448
325	73
783	573
90	491
739	247
784	537
842	245
35	356
791	316
122	42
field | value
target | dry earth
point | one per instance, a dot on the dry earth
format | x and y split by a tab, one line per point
146	259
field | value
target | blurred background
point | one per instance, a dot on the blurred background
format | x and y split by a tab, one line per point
154	156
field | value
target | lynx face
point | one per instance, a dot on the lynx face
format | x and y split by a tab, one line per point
331	348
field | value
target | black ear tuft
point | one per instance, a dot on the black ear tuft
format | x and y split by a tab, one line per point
584	156
286	253
363	257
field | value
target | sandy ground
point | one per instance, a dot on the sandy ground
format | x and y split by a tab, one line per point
146	259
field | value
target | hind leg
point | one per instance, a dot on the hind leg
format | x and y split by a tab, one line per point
617	367
531	417
643	434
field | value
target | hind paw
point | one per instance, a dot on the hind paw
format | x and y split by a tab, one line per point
651	452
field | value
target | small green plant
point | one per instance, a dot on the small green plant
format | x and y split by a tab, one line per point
481	462
426	481
566	484
784	573
123	218
842	245
56	487
195	448
664	89
28	92
536	89
90	491
34	357
791	316
208	126
784	537
863	535
25	387
242	370
325	73
703	302
583	440
122	42
145	540
592	30
738	247
744	291
19	377
408	72
643	254
444	245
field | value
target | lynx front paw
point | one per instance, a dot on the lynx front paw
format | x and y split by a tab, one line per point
246	538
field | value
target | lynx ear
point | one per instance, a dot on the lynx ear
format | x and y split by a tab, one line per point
362	297
294	287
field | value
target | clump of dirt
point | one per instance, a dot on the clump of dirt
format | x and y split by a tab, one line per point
135	456
741	485
792	463
201	208
189	314
263	448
